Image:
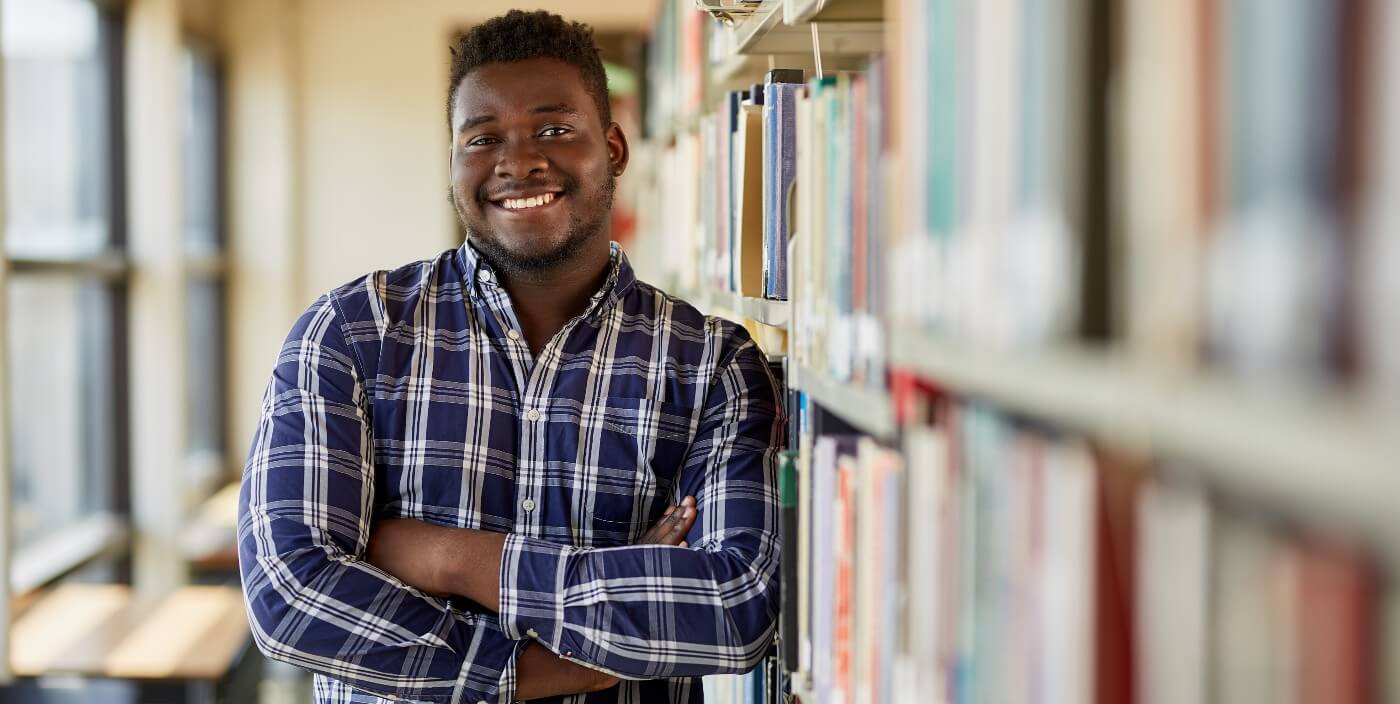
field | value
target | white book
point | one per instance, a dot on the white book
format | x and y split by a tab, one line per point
1380	249
823	562
1252	654
926	450
1159	129
1173	568
804	551
1067	598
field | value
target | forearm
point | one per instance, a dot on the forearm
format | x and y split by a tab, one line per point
644	612
347	620
440	559
540	674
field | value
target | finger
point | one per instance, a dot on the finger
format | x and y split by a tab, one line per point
682	520
682	527
685	543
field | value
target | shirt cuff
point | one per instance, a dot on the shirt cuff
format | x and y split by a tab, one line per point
532	589
473	683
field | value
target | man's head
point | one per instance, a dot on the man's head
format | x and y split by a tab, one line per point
534	149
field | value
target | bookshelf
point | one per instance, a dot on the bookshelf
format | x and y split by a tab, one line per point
1068	298
760	310
849	32
865	408
1322	456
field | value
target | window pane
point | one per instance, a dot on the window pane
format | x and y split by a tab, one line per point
61	386
202	142
205	391
57	128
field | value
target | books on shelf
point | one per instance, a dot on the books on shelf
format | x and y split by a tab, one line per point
1034	566
1223	180
837	276
1255	169
989	245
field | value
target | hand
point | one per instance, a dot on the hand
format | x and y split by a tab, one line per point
540	673
673	526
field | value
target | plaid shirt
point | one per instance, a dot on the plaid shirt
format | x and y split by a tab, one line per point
410	393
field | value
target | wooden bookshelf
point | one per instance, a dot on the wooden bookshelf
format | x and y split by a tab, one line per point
1321	457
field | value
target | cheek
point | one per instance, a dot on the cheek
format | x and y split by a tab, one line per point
467	179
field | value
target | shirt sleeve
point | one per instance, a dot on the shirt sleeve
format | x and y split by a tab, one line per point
652	611
305	508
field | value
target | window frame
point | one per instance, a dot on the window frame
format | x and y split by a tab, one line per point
104	534
210	265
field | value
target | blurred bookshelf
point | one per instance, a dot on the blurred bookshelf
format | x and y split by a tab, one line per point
1082	305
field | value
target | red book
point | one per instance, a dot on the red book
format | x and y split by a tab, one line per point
1337	616
1115	641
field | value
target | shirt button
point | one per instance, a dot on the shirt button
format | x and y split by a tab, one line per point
512	334
531	632
532	415
528	505
484	274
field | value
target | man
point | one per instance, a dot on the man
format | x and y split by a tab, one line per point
514	471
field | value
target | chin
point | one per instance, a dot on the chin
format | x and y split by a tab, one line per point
534	254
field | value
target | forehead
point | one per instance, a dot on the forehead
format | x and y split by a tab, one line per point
502	89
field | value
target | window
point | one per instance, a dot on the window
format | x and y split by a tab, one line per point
63	241
204	298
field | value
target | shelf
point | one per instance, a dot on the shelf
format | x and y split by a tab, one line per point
869	410
1324	458
764	32
770	313
833	10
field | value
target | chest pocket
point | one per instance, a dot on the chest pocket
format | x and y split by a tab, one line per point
635	465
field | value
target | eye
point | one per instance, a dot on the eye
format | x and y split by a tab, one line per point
481	141
555	131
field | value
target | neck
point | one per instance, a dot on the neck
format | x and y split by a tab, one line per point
547	299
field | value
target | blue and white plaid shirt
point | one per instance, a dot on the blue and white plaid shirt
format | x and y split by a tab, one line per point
410	393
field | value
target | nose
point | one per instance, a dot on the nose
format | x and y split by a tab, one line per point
520	159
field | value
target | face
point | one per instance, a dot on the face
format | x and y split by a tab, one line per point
532	163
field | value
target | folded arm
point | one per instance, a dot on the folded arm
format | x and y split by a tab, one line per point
304	523
660	610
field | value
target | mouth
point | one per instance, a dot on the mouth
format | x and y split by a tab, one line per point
528	203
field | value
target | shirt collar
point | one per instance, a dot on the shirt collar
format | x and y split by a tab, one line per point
478	272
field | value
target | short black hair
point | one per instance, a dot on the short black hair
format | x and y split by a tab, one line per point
518	36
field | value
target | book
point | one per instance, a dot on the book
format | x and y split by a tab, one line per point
1252	633
779	160
1337	615
1167	50
1271	286
1173	566
1379	250
747	204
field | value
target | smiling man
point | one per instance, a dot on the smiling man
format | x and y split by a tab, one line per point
515	471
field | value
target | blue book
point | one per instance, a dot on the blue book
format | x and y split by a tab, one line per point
779	169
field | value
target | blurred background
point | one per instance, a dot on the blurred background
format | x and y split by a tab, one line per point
181	178
1085	311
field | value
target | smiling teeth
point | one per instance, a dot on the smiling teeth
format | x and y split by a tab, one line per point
522	203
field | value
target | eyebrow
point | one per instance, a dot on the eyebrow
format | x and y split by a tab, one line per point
560	108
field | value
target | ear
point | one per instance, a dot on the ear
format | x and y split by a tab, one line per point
618	151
